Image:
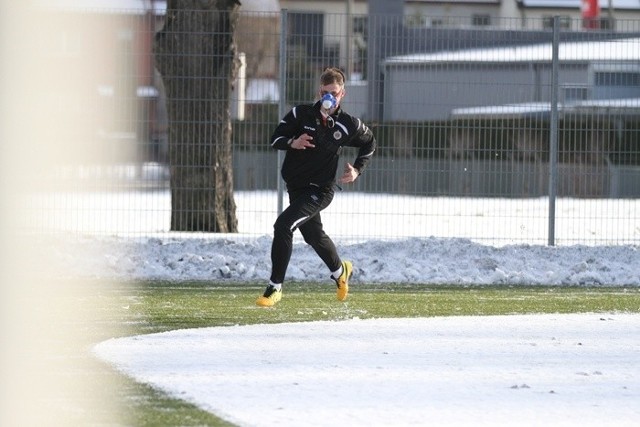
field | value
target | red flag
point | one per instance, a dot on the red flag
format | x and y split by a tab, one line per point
590	12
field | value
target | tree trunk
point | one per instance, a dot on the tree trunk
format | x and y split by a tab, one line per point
195	53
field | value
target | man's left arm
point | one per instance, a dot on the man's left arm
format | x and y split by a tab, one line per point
366	144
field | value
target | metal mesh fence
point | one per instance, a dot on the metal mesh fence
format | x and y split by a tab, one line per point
464	116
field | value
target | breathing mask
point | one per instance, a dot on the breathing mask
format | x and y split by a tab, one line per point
329	101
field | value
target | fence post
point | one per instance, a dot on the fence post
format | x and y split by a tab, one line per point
282	104
553	141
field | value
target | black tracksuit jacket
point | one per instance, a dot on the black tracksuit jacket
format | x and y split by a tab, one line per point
318	165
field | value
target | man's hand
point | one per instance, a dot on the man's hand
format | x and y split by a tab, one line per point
350	174
302	142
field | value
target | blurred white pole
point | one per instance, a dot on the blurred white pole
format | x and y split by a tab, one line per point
47	117
238	101
349	43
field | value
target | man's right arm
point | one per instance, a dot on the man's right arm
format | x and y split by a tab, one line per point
285	132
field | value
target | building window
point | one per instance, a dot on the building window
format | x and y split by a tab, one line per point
617	78
607	24
565	22
360	24
307	29
575	92
480	20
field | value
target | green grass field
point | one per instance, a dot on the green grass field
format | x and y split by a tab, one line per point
149	307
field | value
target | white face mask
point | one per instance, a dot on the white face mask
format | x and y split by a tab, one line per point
329	101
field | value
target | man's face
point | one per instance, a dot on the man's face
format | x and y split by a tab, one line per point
334	89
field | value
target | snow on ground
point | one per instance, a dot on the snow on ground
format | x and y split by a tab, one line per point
578	369
560	370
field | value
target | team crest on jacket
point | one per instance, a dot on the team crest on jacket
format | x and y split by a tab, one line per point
337	135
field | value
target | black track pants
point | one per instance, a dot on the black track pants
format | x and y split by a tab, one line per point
303	213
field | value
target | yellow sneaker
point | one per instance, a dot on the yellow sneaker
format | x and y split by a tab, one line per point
343	281
270	297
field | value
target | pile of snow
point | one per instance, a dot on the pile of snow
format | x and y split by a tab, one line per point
414	260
